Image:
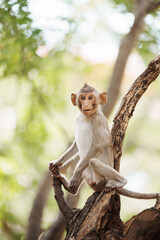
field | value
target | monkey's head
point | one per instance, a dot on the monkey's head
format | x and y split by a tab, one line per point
88	99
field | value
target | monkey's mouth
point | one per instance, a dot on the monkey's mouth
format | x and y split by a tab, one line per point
87	110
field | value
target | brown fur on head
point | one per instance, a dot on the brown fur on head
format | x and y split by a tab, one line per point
88	99
87	89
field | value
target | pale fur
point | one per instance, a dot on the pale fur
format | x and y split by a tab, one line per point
94	130
94	146
92	151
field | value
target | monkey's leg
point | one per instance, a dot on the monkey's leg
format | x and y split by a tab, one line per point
116	180
64	181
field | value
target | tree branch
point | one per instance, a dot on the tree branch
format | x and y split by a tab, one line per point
153	6
59	196
128	105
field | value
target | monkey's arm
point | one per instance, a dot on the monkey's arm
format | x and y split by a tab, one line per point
64	180
68	154
69	162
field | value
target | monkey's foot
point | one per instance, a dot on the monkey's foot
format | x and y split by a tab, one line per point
111	185
65	182
93	184
73	186
109	189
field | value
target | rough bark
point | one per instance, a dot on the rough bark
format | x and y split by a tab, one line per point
100	219
143	7
143	226
128	105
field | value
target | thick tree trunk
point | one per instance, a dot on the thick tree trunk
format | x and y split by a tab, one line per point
100	218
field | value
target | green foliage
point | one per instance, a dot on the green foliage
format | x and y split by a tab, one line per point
19	40
149	39
32	91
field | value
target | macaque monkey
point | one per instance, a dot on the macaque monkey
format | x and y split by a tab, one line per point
92	147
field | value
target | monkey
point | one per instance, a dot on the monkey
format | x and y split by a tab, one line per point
92	147
92	150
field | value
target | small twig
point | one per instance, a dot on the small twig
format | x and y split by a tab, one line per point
59	195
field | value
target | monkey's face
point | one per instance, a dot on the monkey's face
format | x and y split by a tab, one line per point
87	103
88	100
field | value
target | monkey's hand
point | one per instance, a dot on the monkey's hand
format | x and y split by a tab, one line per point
53	164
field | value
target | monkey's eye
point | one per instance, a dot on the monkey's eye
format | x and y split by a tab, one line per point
90	98
83	98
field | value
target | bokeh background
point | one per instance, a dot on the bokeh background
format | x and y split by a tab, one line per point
49	49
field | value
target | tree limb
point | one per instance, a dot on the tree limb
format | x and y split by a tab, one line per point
59	196
59	224
153	6
128	105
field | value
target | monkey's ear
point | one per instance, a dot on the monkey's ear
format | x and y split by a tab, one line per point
73	99
103	98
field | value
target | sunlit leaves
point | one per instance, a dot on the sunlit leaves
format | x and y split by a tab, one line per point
19	40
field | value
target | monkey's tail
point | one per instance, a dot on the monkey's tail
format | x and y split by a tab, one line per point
132	194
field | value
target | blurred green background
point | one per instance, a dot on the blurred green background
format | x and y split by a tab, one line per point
49	49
